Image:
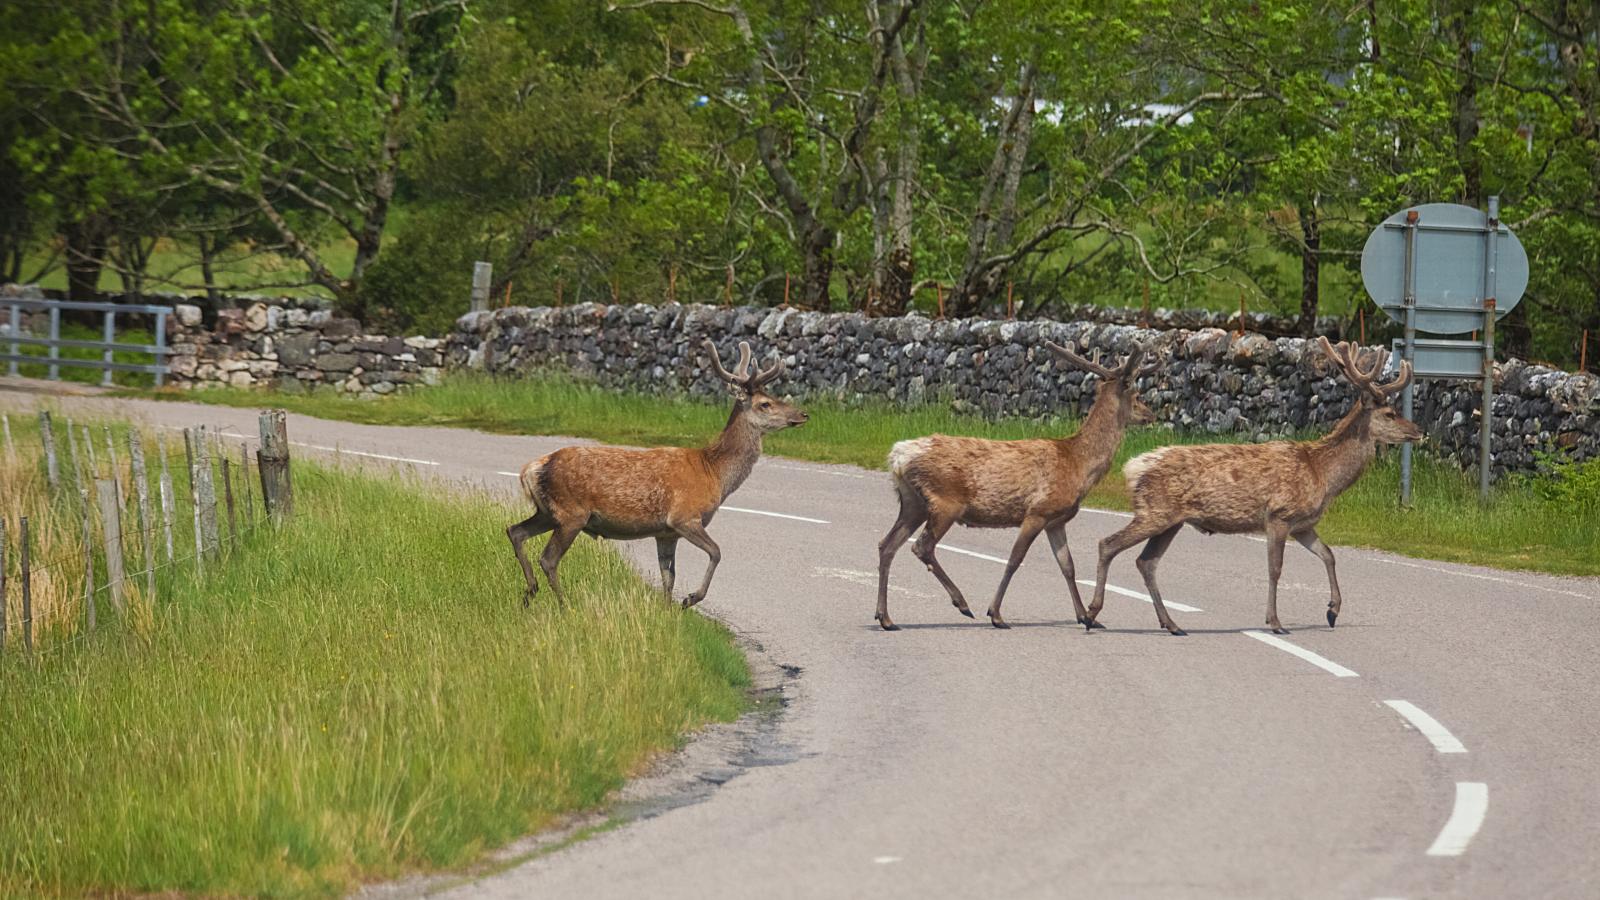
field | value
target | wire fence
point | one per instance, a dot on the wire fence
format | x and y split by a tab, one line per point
83	534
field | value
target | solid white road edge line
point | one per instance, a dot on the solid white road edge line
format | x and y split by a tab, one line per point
1180	607
737	509
775	515
1320	662
404	459
1472	804
1442	739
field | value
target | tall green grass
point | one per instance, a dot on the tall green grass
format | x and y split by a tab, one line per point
354	695
83	374
1518	529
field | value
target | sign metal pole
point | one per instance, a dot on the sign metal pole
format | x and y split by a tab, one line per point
1485	421
1409	300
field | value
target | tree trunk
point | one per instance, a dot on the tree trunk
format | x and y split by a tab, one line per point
1310	269
818	272
1465	111
208	254
86	253
995	217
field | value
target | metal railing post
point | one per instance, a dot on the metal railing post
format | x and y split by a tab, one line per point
55	338
1409	299
161	347
109	334
16	327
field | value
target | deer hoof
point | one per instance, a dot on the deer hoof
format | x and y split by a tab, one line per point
691	600
1331	617
965	611
1279	629
1177	632
1089	624
886	625
998	622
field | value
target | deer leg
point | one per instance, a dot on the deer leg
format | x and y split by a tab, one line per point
913	512
560	540
667	557
695	533
1309	540
1057	533
1110	545
1031	526
1147	568
534	525
1277	532
939	521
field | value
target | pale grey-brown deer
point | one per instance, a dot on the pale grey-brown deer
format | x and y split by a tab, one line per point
668	493
1034	484
1281	488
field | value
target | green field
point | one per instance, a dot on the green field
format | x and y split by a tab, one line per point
1518	529
354	696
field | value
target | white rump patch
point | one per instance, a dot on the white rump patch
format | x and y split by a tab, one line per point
906	452
1134	469
530	480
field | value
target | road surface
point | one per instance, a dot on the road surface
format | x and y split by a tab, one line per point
1443	741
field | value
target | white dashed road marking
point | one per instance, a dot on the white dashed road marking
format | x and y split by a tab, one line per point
1320	662
1442	739
1472	804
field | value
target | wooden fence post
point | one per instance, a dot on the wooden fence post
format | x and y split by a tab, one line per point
52	468
2	585
277	489
88	561
165	486
27	593
227	492
208	492
111	531
147	528
94	464
11	448
194	500
111	455
244	477
77	461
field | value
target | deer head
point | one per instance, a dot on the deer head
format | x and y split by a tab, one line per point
766	412
1361	368
1117	382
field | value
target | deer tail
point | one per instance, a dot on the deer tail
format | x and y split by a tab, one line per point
532	473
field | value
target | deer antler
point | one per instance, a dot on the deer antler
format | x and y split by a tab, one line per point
741	377
1131	364
1361	368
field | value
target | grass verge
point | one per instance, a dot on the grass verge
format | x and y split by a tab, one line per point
347	698
1518	529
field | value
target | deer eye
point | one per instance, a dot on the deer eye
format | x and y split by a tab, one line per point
765	405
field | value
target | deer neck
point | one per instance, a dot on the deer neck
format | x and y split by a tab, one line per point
1096	441
735	451
1346	451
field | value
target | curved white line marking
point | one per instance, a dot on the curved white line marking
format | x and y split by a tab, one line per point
1472	804
404	459
775	515
1442	739
1320	662
1180	607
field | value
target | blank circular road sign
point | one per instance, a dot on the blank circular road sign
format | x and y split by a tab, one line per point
1449	267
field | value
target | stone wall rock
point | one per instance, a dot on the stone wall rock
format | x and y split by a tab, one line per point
1207	379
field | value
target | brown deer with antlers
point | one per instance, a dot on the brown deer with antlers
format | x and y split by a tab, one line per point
1281	488
1035	484
668	493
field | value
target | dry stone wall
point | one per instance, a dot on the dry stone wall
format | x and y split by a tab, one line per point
1208	379
294	345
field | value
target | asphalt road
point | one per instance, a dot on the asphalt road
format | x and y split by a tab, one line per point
953	759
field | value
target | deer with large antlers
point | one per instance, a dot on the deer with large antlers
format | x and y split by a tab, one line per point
1281	488
668	493
1034	484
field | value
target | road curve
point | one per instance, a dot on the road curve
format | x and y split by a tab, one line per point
1443	741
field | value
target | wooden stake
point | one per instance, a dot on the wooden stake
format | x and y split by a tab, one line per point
938	297
786	290
88	563
616	289
27	592
672	283
507	301
1583	363
111	453
244	476
1011	307
75	459
194	499
277	488
147	527
52	469
227	492
1361	315
111	531
727	290
2	585
208	494
165	486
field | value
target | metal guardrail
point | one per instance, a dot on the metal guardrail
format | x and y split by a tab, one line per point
11	334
